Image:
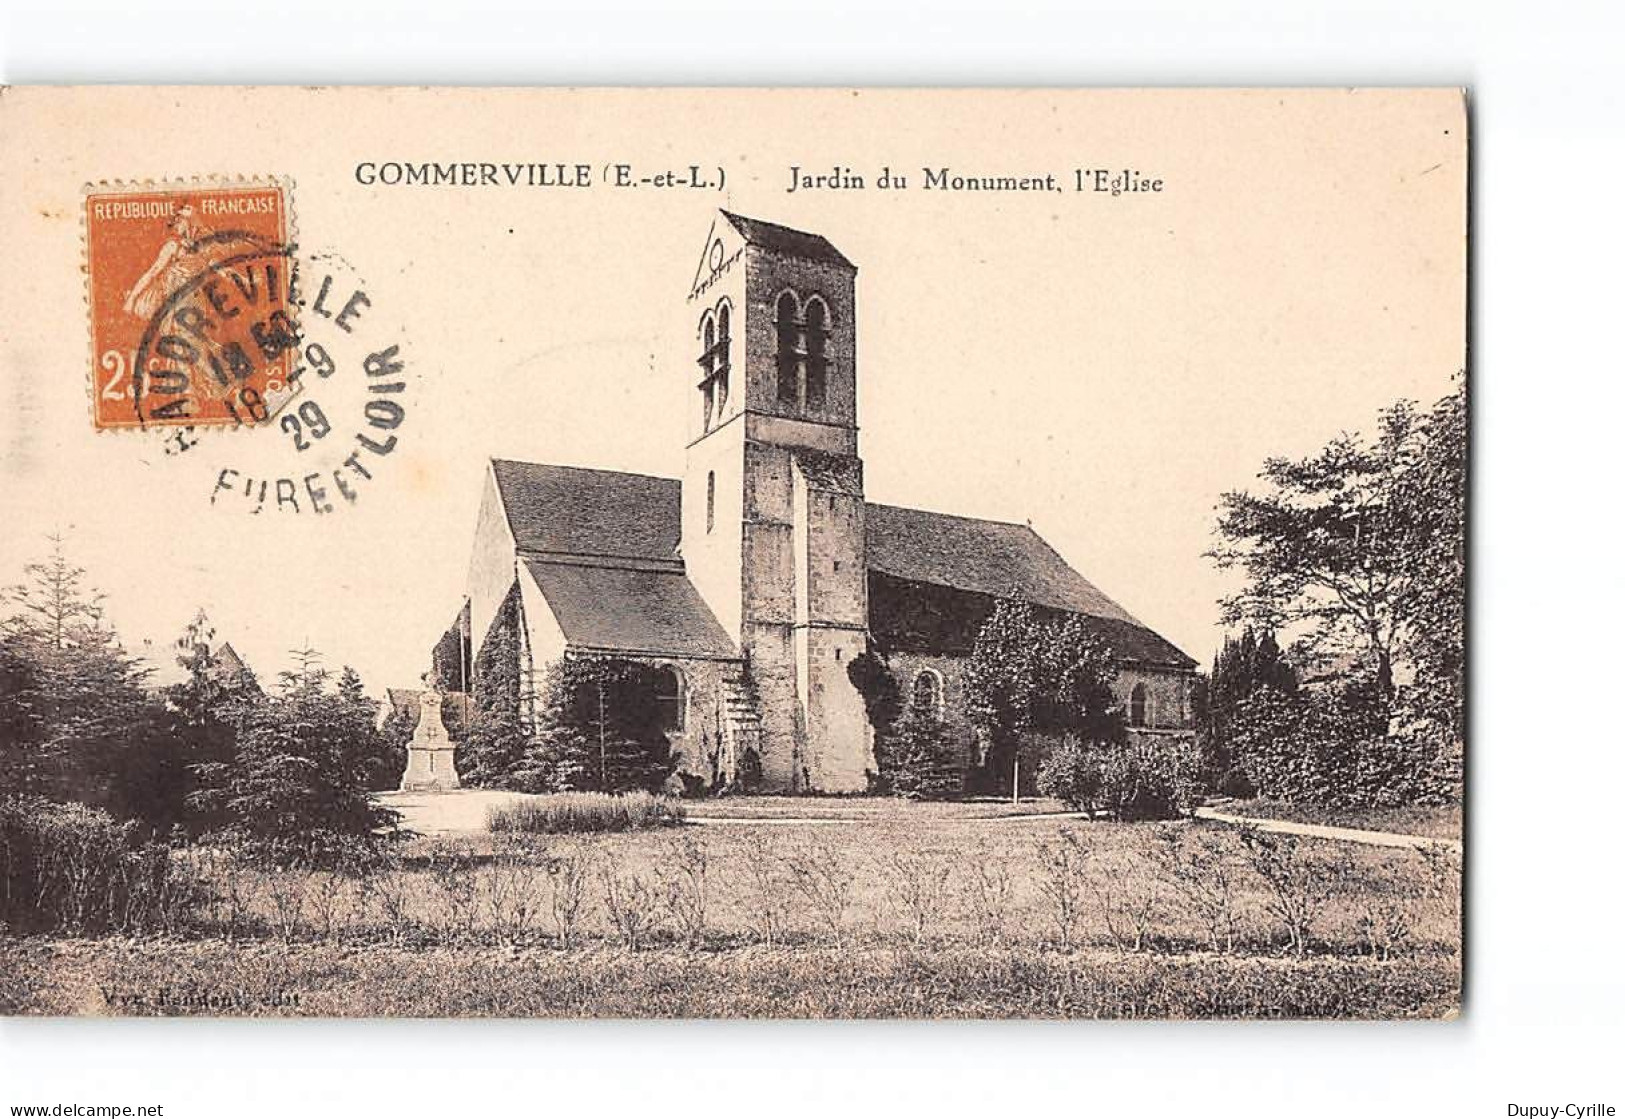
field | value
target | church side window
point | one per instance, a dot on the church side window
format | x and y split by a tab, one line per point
669	698
817	362
928	693
710	500
1137	706
784	322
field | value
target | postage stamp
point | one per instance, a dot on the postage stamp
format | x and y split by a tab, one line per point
192	319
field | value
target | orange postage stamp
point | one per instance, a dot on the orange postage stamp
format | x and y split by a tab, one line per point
191	305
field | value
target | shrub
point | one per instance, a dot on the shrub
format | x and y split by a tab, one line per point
686	865
821	874
1300	880
989	891
1331	747
1203	865
1061	868
767	889
917	886
1150	779
1072	774
74	869
586	812
632	904
567	879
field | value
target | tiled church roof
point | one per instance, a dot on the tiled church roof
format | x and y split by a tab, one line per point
557	512
991	557
615	609
783	239
574	511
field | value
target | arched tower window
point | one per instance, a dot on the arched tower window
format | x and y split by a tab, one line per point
1137	705
784	322
710	500
817	343
927	695
715	327
722	350
669	698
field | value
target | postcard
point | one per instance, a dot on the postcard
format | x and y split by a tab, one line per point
818	553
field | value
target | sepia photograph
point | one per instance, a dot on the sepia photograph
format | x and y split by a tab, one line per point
748	553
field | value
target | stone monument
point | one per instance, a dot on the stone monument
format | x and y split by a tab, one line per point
431	756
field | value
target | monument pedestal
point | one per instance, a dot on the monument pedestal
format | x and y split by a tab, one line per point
431	756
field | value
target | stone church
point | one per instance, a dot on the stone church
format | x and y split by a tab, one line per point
755	579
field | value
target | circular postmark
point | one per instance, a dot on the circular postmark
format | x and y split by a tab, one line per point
289	342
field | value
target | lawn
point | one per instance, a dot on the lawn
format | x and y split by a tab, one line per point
917	912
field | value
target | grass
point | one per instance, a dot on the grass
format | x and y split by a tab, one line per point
917	914
143	979
566	813
1443	822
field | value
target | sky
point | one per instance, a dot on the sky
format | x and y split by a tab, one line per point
1102	367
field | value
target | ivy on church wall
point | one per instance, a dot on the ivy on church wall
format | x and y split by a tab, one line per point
496	736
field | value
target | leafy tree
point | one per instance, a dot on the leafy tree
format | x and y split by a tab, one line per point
1325	546
1038	671
1434	491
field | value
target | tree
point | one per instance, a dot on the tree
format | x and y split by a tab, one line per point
1435	493
1038	671
1245	664
1326	546
75	700
297	784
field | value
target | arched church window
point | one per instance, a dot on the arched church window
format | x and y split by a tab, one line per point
784	322
708	341
928	693
817	335
1137	706
720	366
710	500
669	698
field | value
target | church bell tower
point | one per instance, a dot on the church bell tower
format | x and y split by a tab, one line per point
773	509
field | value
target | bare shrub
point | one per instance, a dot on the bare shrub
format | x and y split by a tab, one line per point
1129	895
567	876
328	892
917	886
284	892
1061	876
389	887
1383	896
685	865
511	887
1300	881
451	868
988	892
1204	866
632	904
767	885
820	874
